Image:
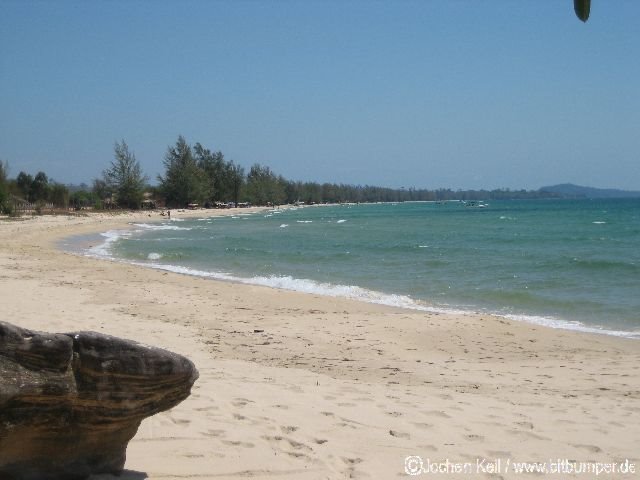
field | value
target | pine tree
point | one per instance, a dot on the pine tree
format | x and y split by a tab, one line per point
125	177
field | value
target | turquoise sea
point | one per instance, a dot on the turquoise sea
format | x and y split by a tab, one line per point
563	263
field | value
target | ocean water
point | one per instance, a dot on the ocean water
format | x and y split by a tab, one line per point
563	263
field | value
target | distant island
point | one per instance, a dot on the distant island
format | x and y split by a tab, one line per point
569	190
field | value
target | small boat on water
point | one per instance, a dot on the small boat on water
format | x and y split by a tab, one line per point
475	204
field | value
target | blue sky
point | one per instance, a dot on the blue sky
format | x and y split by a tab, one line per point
459	94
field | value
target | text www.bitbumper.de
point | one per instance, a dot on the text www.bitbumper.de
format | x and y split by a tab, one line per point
415	465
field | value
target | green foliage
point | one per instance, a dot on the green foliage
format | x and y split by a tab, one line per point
59	195
39	191
199	175
9	209
310	192
82	199
235	179
264	187
184	180
125	178
100	189
4	188
213	166
34	189
24	182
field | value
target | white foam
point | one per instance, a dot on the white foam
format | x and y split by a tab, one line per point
393	300
104	249
570	325
160	226
166	239
345	291
304	221
357	293
341	221
330	290
599	223
284	225
310	286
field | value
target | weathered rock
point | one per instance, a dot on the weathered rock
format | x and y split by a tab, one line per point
70	403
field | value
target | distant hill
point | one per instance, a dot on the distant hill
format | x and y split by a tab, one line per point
569	190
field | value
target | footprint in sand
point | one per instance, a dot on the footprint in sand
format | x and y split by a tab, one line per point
292	443
528	435
436	413
297	454
499	454
430	448
204	409
180	421
528	425
395	433
588	448
240	402
346	425
238	443
424	426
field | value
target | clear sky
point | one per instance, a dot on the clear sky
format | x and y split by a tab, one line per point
429	93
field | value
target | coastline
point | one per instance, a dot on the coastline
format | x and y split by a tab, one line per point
331	387
98	245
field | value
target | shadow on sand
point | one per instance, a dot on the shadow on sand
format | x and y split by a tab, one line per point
125	475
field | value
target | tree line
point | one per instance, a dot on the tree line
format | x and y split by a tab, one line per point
194	174
38	191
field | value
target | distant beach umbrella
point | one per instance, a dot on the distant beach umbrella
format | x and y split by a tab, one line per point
582	8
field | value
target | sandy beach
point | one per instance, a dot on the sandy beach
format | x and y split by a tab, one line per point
302	386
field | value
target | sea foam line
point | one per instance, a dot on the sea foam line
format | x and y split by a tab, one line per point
104	249
160	226
351	292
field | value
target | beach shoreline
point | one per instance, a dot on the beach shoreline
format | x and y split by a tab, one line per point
98	245
301	385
